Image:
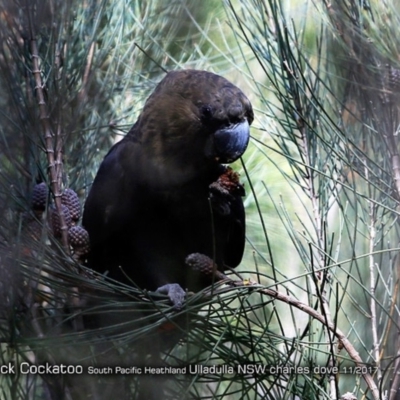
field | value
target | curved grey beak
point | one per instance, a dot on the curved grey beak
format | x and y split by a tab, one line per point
231	142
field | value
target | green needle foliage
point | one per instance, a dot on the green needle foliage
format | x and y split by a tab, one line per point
315	311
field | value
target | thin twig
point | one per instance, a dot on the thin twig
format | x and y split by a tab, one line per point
394	387
374	328
88	67
48	132
396	169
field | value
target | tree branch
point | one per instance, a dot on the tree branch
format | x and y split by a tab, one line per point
47	129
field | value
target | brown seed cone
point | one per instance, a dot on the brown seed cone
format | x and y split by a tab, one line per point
79	239
70	199
55	219
204	264
201	263
39	196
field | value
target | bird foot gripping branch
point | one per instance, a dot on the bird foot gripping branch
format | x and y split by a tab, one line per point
175	293
163	193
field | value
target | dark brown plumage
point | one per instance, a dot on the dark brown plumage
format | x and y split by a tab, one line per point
156	198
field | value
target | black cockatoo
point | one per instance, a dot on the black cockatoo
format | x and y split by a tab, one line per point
156	198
